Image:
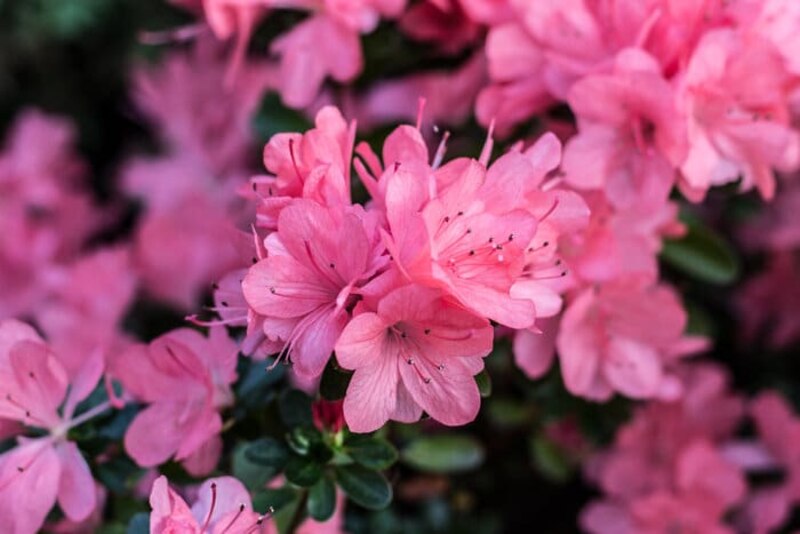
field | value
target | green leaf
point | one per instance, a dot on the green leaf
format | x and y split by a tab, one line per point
267	452
549	459
303	471
484	383
449	453
365	487
139	524
371	452
322	499
255	387
295	408
252	474
275	499
334	381
702	254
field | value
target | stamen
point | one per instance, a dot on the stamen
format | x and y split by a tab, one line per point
210	508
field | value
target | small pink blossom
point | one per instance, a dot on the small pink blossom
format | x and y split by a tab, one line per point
414	353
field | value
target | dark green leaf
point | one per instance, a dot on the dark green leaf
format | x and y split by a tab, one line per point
252	475
484	383
371	452
334	381
365	487
267	452
549	459
275	499
449	453
702	254
322	499
255	387
303	471
295	408
139	524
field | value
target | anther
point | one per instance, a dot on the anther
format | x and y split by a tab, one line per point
272	290
332	265
427	331
224	303
447	218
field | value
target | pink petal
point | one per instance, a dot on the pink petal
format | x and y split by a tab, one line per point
632	368
76	492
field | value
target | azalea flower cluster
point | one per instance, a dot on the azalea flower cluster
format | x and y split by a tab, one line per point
399	269
680	466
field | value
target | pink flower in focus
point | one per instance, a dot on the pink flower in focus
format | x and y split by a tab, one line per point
414	353
184	378
313	165
223	506
305	286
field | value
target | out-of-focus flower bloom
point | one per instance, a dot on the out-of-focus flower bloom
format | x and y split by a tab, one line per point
184	378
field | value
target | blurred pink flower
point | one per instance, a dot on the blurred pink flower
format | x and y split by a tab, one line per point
624	336
185	379
40	471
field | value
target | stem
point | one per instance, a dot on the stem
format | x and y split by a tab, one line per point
299	513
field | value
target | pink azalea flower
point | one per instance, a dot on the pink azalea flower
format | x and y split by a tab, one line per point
304	288
766	302
223	506
179	252
184	378
41	471
631	135
197	114
777	227
667	467
449	96
414	353
468	240
85	308
314	165
620	243
622	337
46	215
739	124
777	427
646	450
442	22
